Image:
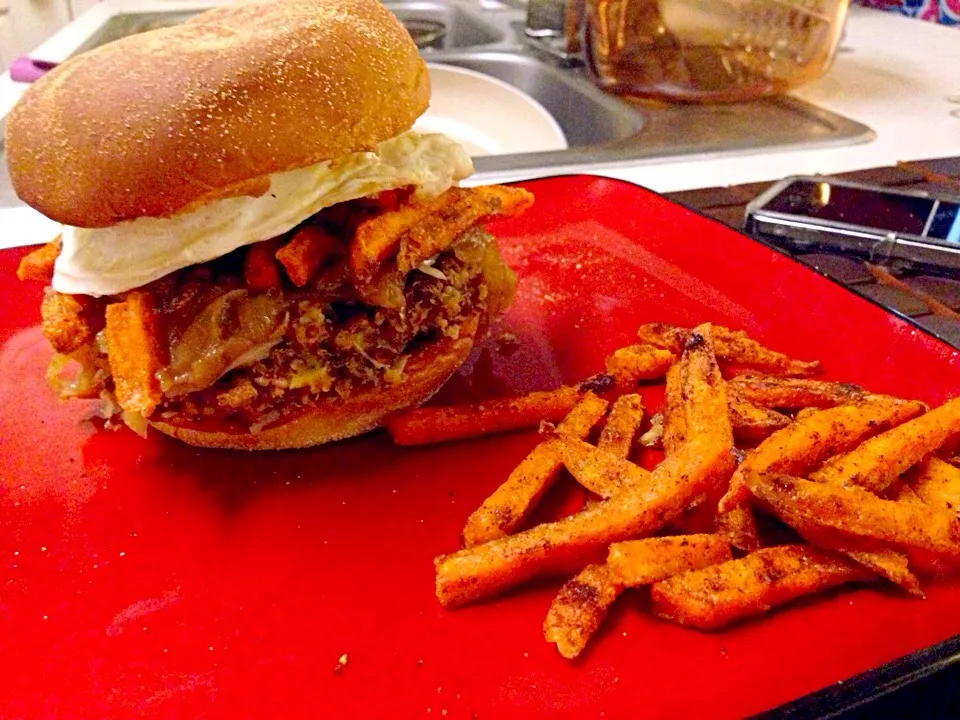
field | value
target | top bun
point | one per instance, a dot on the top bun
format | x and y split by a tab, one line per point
152	124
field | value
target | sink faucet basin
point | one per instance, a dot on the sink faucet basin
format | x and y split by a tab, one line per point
433	24
602	130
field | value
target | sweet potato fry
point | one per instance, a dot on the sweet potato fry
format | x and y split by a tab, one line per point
722	594
644	562
419	229
261	271
802	445
907	495
732	348
465	207
624	420
579	608
429	425
809	440
793	393
882	459
695	418
936	483
308	249
377	239
134	352
869	554
511	503
704	391
700	517
674	415
573	542
702	463
70	321
889	564
858	513
38	265
752	423
599	470
739	527
634	363
506	201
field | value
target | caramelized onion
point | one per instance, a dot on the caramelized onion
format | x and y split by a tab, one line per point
234	330
385	290
476	247
77	375
135	421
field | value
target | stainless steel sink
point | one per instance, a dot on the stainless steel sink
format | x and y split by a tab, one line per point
602	130
124	24
607	131
434	25
587	115
462	28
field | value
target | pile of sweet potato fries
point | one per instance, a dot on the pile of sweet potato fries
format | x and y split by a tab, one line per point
772	486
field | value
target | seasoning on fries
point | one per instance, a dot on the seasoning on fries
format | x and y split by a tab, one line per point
704	461
580	607
583	602
674	417
860	487
752	423
734	348
622	425
512	502
801	446
859	513
936	483
571	543
429	425
599	470
879	461
873	556
644	562
639	362
787	393
719	595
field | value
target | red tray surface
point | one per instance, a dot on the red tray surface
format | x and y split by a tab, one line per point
147	578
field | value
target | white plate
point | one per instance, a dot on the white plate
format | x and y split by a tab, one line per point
486	115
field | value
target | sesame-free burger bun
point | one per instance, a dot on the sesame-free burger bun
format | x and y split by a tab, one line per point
166	120
335	419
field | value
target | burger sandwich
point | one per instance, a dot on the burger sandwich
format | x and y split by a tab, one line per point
258	252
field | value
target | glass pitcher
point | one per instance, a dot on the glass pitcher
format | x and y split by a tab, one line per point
709	50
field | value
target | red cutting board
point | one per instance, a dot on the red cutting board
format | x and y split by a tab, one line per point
144	578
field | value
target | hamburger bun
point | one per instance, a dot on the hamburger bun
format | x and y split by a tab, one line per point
335	419
161	122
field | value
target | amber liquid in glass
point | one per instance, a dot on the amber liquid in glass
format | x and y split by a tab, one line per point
710	50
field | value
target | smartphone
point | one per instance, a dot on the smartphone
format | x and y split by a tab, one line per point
804	213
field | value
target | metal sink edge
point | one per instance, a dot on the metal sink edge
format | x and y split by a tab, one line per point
658	133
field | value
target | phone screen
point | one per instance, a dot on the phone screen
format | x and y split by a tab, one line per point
902	214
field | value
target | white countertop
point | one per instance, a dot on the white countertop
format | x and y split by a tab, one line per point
897	75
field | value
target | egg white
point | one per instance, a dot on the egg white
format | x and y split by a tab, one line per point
111	260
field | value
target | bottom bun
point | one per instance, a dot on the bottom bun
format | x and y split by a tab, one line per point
335	418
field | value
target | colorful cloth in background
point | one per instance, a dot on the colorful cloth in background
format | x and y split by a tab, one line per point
942	11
